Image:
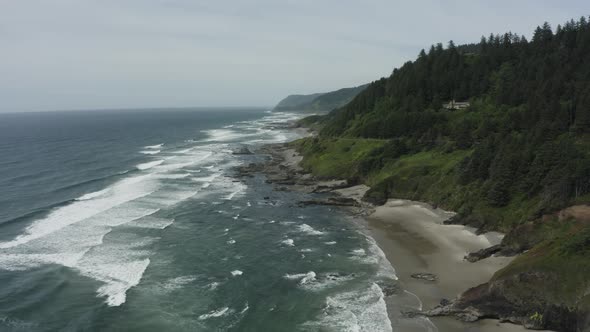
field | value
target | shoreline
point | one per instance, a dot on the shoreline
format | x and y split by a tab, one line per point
415	240
411	235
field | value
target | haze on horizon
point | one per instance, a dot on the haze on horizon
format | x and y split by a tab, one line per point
90	54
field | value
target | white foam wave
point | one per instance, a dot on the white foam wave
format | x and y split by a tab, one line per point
236	273
157	146
224	135
178	282
92	195
246	307
118	279
184	151
124	191
360	310
288	242
330	243
302	277
149	165
305	228
215	313
150	152
213	285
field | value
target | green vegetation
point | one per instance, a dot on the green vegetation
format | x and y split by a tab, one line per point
319	102
509	162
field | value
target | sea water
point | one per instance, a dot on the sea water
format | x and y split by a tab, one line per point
132	221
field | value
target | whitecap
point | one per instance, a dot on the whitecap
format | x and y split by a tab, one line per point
123	191
305	228
236	273
330	243
214	313
360	310
288	242
149	165
93	195
178	282
118	278
157	146
150	152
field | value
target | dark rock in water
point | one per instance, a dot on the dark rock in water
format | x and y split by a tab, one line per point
425	276
266	197
483	253
242	150
445	302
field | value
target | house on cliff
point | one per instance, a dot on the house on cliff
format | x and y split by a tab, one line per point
456	105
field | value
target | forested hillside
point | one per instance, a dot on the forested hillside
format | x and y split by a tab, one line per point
512	161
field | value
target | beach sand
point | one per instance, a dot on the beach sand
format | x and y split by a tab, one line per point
414	240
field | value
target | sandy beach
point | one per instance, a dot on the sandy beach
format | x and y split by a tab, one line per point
414	240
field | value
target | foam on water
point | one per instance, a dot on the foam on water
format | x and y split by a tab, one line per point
92	195
123	191
215	313
178	282
236	273
305	228
118	278
288	242
151	152
157	146
149	165
74	235
355	311
224	135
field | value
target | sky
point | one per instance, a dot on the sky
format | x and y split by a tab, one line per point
98	54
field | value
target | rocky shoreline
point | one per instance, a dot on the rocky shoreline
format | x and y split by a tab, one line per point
282	169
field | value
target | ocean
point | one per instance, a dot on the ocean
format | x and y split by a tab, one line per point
132	221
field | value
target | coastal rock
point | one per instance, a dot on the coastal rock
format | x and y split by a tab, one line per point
468	314
335	201
242	150
503	298
483	253
425	276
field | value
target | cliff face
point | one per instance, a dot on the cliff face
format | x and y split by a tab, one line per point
319	102
522	298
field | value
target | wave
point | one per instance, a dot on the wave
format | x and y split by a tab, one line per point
215	313
150	151
288	242
92	195
178	282
118	278
149	165
236	273
157	146
124	191
303	278
224	135
305	228
359	310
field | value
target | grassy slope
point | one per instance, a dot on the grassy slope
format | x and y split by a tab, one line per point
428	176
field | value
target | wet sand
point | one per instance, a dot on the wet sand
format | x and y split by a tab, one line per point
414	240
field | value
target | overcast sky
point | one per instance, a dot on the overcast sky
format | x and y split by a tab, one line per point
93	54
